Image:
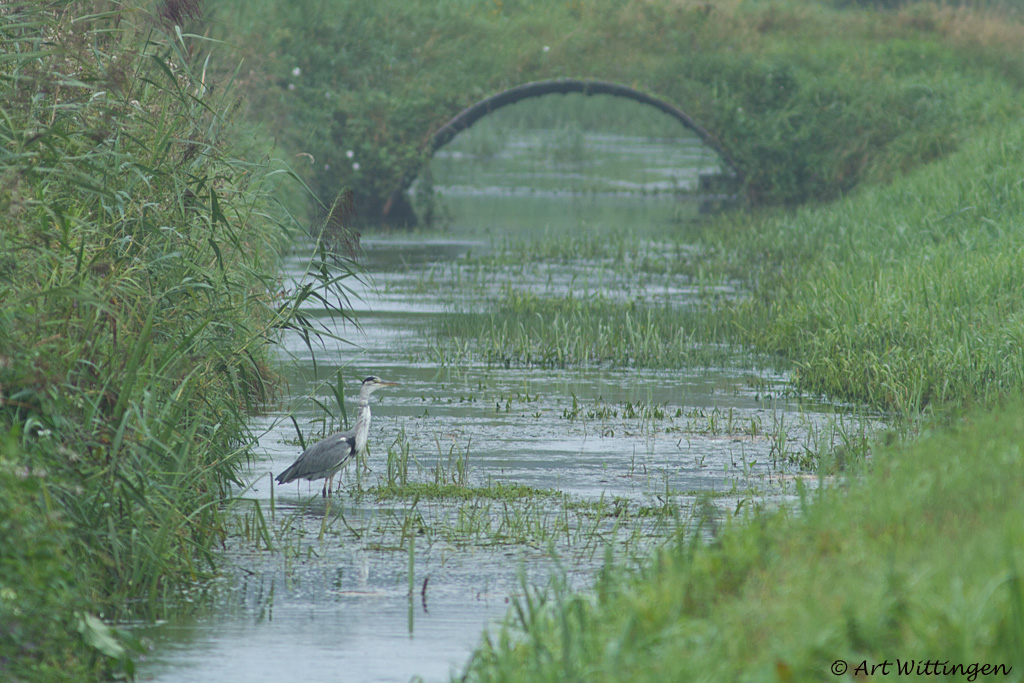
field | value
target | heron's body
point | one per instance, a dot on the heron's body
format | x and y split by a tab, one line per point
326	457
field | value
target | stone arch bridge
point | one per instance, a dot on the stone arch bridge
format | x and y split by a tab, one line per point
397	209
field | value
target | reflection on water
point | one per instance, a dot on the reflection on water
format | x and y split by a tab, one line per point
343	596
343	616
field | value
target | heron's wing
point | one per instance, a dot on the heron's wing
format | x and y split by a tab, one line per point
322	459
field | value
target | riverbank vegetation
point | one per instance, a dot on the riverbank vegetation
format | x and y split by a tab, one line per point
808	99
918	560
138	283
905	297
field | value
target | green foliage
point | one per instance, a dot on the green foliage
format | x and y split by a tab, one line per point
130	299
137	274
808	99
38	597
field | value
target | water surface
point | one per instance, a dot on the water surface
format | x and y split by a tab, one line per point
335	600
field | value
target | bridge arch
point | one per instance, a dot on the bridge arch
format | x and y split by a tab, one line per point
562	86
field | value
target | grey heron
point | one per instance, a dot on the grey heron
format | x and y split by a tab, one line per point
326	457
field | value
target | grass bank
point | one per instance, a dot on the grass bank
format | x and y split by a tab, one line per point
906	297
919	559
138	284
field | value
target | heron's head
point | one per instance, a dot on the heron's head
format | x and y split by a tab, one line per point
372	383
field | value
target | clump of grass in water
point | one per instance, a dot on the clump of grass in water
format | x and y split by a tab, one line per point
445	507
527	330
512	514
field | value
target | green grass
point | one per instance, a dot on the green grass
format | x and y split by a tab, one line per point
918	558
41	602
903	297
492	516
445	491
528	330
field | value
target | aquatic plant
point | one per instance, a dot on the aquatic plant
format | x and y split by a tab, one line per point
857	573
530	330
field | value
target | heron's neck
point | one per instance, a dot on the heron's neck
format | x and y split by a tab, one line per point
362	422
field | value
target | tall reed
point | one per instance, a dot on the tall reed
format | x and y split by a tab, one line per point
138	255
